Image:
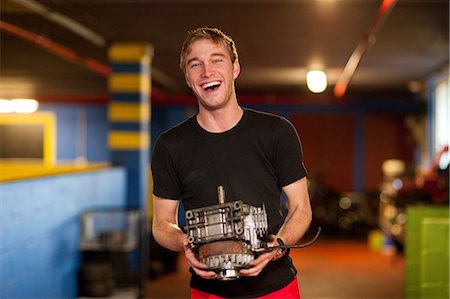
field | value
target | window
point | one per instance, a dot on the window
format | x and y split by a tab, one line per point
441	119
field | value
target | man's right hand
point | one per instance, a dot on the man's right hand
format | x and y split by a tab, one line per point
198	267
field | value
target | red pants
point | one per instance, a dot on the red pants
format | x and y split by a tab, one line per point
290	291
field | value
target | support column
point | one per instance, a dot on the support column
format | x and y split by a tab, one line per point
129	116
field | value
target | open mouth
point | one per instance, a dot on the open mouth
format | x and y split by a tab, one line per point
211	86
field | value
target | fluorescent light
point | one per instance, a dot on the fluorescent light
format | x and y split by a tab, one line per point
316	81
5	106
24	105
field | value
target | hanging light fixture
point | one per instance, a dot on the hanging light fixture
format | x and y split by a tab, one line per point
316	81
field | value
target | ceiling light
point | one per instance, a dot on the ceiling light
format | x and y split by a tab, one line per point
5	106
24	105
316	81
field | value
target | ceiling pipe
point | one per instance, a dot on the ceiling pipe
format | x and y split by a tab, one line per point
89	35
64	52
368	40
64	21
56	48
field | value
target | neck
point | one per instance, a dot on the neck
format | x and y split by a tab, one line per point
221	120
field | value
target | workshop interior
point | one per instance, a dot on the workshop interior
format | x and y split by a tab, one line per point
86	88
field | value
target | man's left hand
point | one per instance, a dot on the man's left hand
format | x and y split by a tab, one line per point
262	260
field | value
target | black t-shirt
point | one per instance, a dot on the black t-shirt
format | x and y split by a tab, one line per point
253	161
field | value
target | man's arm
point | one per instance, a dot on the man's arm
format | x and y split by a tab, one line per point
294	227
164	227
299	214
168	234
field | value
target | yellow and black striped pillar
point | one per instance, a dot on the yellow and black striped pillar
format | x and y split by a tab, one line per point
129	116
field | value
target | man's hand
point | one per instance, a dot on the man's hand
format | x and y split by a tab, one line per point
197	266
262	260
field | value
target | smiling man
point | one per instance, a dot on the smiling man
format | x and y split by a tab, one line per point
255	155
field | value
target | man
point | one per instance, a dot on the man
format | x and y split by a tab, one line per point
254	155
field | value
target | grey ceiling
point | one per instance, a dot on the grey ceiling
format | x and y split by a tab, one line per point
278	41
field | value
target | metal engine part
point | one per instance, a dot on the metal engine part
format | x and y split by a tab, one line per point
226	236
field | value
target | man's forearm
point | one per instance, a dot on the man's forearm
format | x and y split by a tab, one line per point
299	214
296	224
168	235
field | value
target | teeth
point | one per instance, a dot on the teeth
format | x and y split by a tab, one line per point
210	84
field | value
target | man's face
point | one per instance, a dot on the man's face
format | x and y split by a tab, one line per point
211	74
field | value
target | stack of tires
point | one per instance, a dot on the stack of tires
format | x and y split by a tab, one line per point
95	279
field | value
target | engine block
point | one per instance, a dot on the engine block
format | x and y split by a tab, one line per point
226	236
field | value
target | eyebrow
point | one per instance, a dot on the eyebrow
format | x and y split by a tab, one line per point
212	55
192	59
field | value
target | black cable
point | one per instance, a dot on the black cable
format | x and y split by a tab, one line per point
284	247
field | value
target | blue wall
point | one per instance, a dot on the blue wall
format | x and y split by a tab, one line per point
39	256
81	131
165	117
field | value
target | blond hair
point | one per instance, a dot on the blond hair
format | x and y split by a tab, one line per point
213	34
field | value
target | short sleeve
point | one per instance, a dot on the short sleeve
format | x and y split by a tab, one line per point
288	154
166	183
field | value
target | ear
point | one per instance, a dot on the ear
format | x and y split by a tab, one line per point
236	68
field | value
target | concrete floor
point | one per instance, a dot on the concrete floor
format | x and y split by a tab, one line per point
329	269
